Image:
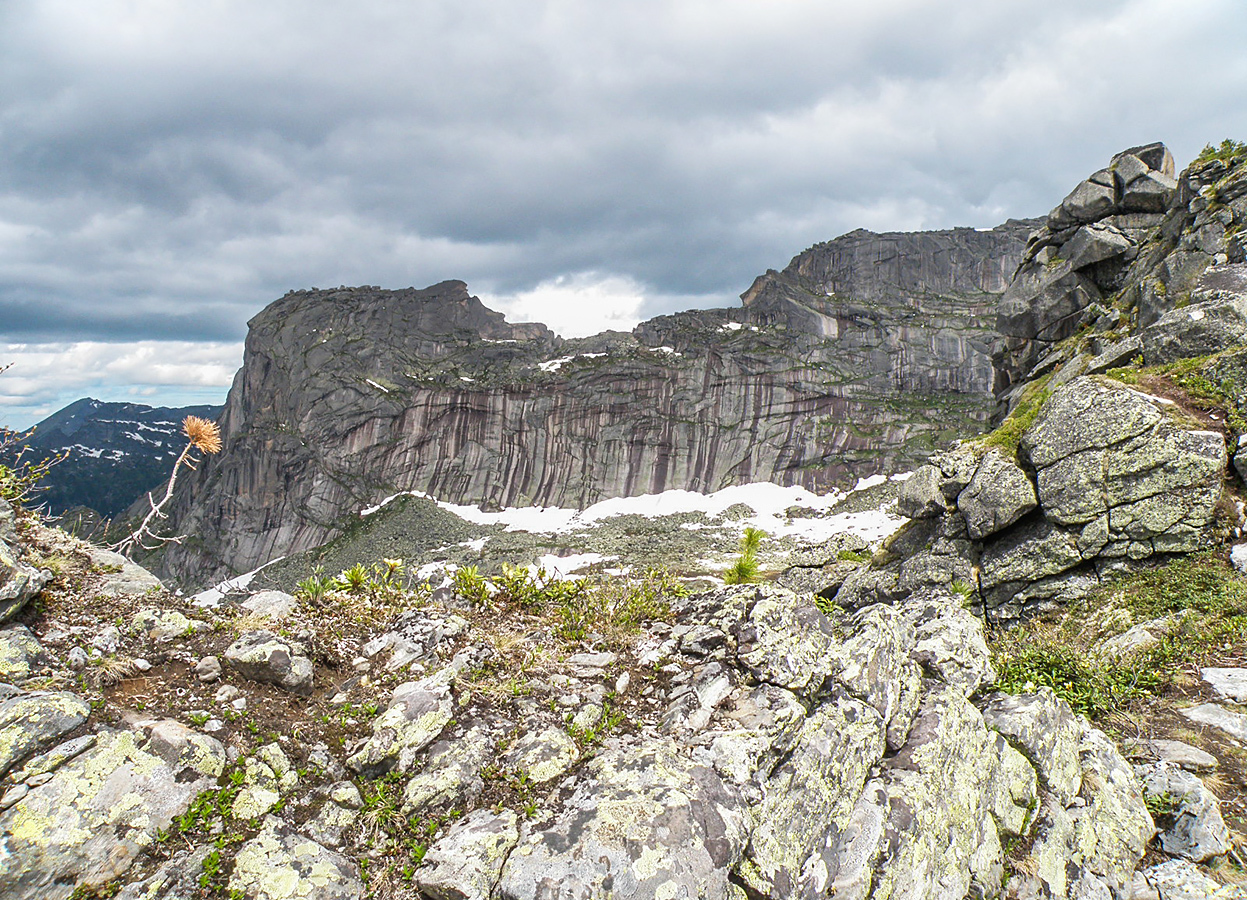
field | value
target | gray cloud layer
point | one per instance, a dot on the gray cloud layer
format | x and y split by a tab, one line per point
168	169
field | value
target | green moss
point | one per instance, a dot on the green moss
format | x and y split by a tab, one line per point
1007	437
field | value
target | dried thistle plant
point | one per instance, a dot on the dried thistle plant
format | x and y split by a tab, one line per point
201	435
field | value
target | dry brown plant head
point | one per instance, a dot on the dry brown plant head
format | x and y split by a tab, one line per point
204	435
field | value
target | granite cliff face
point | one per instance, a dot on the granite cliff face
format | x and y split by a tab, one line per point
862	355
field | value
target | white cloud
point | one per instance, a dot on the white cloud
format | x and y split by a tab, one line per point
43	378
576	305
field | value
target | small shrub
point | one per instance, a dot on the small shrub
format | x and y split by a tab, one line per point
1228	151
745	569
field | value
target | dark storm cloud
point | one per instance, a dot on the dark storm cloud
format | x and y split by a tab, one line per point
167	169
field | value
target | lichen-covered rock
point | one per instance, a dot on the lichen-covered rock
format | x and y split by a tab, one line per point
18	582
1177	879
1197	831
263	656
1196	330
99	811
267	776
920	496
161	625
644	823
998	495
542	756
810	798
416	714
933	823
31	722
1102	450
20	654
336	815
948	641
1046	731
466	863
452	774
122	578
280	864
784	640
1091	844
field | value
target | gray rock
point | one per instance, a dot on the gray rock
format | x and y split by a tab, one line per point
953	769
998	495
208	669
76	659
1177	879
164	625
1197	831
1103	450
18	582
1046	731
466	863
1122	353
452	775
1230	684
126	579
1094	243
920	496
1136	639
644	823
32	722
275	605
1238	553
1095	842
173	880
263	656
1232	723
279	864
1177	753
542	755
416	714
53	759
1029	553
1094	199
100	811
335	816
20	654
1196	330
948	641
810	797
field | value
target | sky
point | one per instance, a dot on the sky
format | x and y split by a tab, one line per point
167	169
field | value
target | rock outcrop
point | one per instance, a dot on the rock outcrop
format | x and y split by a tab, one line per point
864	353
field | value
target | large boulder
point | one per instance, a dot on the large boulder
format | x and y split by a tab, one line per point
416	714
267	657
1114	459
18	582
31	722
1214	320
102	809
998	495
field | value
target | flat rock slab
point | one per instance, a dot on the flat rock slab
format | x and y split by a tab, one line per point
1179	753
1231	684
1232	723
279	864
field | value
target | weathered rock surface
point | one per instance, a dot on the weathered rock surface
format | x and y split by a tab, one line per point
264	656
1197	831
18	582
280	864
416	715
100	810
